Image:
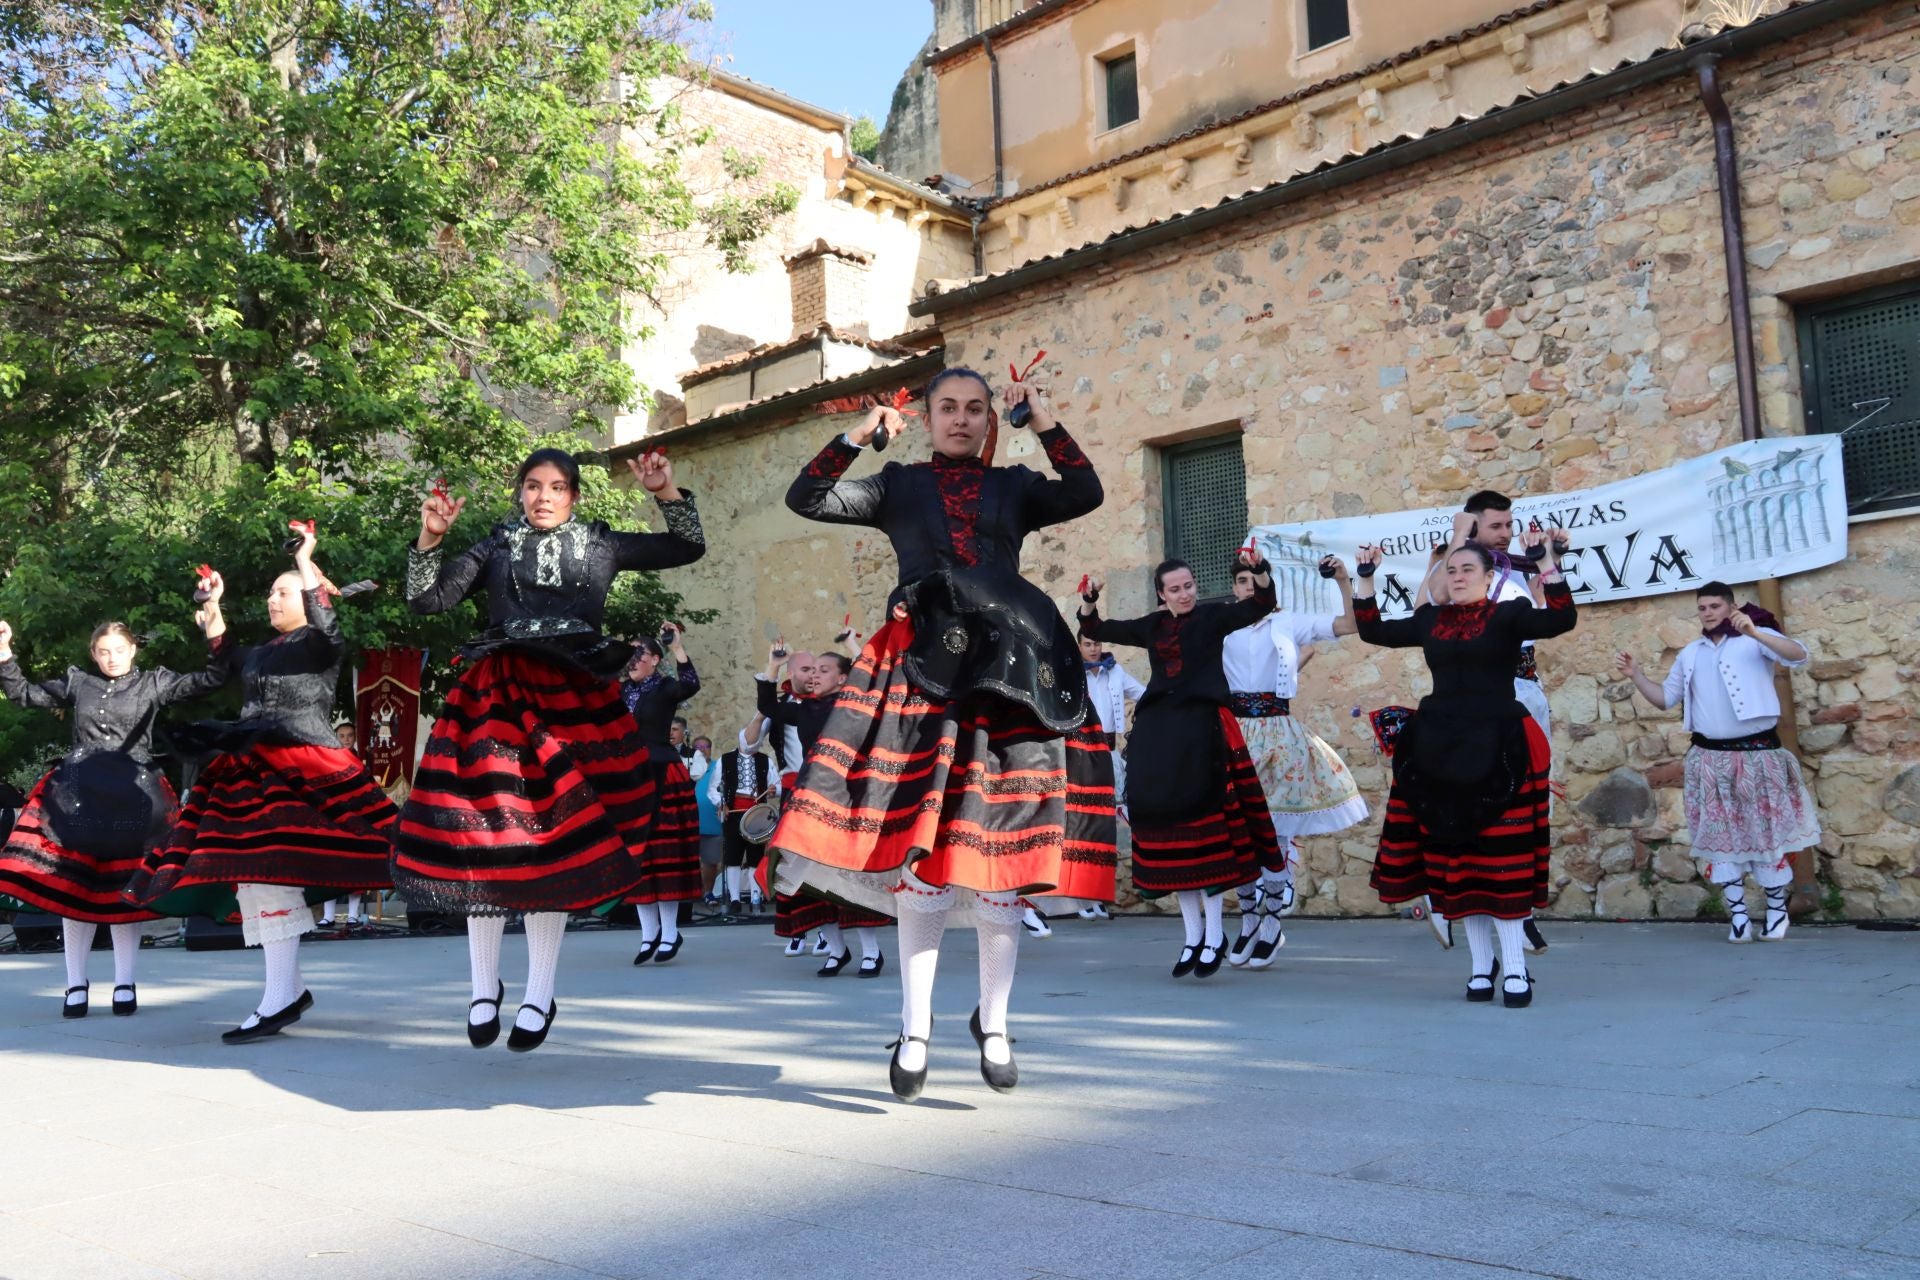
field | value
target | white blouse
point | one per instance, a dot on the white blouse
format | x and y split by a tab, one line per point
1265	657
1727	688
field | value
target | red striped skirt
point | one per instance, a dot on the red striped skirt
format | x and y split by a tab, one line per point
1501	872
1218	851
670	863
79	870
973	793
532	795
795	917
302	815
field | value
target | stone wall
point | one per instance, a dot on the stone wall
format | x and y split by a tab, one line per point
1542	314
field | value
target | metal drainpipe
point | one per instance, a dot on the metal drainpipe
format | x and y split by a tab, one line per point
1733	238
993	79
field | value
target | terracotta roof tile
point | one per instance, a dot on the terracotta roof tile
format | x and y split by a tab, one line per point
714	368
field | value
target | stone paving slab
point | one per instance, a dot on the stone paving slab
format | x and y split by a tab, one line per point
1669	1106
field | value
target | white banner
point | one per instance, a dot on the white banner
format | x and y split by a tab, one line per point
1755	510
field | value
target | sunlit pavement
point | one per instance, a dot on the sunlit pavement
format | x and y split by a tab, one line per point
1669	1106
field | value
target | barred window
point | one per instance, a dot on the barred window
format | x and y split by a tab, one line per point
1204	494
1860	373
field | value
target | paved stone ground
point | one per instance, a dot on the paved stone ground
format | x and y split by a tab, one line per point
1671	1106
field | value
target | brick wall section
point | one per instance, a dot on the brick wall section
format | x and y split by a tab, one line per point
1541	314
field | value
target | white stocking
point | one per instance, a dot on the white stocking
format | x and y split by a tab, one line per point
869	942
1513	950
669	923
77	937
1214	905
1249	895
1736	896
353	906
999	958
282	957
483	954
1479	931
734	876
649	923
922	924
836	941
1191	914
545	929
126	953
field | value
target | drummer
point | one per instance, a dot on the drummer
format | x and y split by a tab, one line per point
743	779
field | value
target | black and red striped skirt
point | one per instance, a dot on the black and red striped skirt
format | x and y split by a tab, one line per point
532	794
81	836
1218	850
974	793
797	916
302	815
1502	871
670	863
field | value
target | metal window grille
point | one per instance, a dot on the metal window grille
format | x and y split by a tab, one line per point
1327	21
1860	362
1205	498
1123	90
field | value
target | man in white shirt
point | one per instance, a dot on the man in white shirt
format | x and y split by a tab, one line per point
1486	519
1748	808
1110	687
740	779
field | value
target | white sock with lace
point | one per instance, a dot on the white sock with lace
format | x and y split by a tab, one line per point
76	936
1736	896
669	923
1214	906
126	953
1513	953
836	941
1249	896
282	956
1191	914
483	954
1479	931
999	958
545	929
869	942
649	922
920	934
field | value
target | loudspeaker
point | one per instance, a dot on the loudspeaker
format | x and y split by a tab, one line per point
38	931
208	935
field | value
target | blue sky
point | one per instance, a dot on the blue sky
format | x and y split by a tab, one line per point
845	56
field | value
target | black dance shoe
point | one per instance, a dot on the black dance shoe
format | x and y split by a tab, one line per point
646	952
1517	999
1184	965
907	1084
68	1009
870	966
128	1007
1205	968
1479	996
1000	1076
668	950
272	1024
1242	949
1262	955
835	964
526	1041
482	1034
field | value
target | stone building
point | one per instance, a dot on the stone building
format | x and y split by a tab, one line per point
1454	247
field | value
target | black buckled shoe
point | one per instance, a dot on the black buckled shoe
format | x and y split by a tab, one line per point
68	1009
1205	968
907	1085
1483	995
668	950
272	1024
835	964
1184	965
128	1007
870	966
645	953
1517	999
482	1034
1001	1077
526	1041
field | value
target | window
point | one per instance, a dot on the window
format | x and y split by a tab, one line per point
1860	373
1204	492
1327	21
1123	90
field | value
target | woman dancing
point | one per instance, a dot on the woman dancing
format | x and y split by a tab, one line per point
1467	810
86	826
959	768
670	865
532	795
1201	827
282	816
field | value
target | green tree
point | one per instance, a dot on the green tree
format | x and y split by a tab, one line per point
864	138
272	258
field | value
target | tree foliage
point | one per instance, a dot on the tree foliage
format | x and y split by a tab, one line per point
273	258
864	138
